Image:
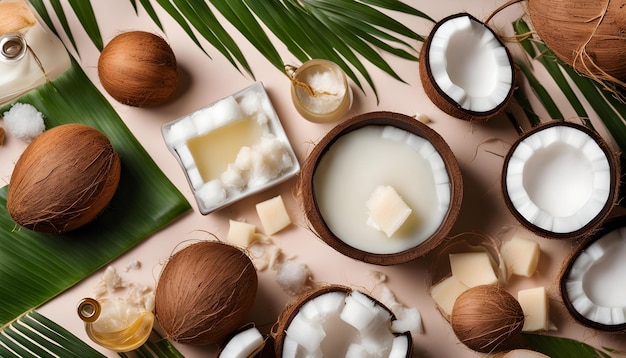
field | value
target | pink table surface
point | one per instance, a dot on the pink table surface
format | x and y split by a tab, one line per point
205	80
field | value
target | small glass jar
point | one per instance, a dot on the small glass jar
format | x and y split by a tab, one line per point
320	91
115	324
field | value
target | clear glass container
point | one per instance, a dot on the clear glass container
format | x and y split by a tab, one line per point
28	58
320	91
115	324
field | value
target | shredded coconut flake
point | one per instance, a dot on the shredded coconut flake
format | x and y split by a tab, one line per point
24	121
293	277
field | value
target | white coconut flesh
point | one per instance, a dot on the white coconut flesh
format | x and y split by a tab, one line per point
244	344
558	179
342	324
470	65
595	282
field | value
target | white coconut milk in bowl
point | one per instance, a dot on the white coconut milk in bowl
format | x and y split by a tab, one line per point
382	188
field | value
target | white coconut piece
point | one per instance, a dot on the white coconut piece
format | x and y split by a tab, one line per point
469	64
330	319
400	347
243	344
558	179
24	121
358	311
324	306
293	277
307	333
594	282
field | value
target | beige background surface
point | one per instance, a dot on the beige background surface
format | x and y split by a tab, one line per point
478	147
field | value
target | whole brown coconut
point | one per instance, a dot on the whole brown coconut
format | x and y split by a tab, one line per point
486	317
64	179
588	35
205	293
139	69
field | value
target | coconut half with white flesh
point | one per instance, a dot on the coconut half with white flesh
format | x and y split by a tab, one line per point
246	343
341	322
592	279
465	69
561	180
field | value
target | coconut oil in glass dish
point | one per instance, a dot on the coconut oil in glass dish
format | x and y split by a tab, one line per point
320	91
232	148
28	58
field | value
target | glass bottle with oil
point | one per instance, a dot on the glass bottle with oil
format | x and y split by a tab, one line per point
115	323
30	54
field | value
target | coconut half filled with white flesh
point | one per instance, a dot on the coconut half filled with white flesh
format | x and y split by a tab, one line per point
336	321
465	69
592	279
560	180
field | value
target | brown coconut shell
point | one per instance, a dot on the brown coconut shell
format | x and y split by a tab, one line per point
614	164
485	318
64	179
315	218
611	225
439	97
205	292
279	331
590	36
138	68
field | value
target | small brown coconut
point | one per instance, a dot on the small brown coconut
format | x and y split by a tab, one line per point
590	36
64	179
205	292
486	317
139	69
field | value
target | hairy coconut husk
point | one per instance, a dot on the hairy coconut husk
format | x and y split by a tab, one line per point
139	69
205	293
64	179
590	36
486	317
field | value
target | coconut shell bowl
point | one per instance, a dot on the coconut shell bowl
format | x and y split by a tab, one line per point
382	188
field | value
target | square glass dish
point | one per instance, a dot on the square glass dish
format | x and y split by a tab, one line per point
232	148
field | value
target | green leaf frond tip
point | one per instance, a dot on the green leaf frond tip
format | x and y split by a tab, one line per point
34	335
557	347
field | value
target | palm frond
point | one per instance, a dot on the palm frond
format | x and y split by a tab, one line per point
336	30
35	267
34	335
557	347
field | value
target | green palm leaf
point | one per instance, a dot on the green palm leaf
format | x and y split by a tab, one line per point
34	335
557	347
34	267
342	28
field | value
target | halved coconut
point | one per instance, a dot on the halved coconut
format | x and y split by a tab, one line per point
341	178
340	322
560	180
592	279
465	69
246	343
